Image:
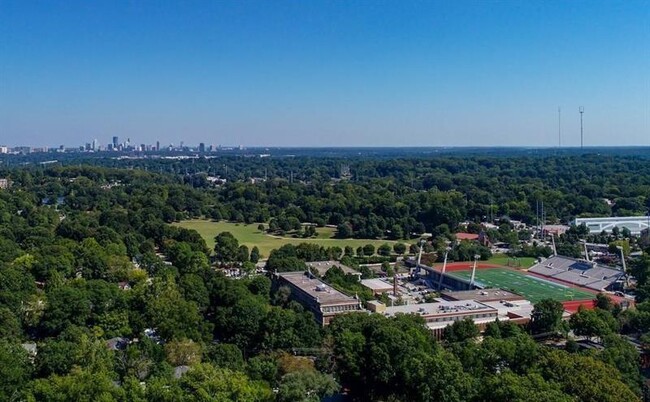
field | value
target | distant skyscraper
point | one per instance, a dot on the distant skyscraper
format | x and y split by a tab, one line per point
116	142
95	145
157	145
201	147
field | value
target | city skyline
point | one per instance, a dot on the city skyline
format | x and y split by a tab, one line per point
326	74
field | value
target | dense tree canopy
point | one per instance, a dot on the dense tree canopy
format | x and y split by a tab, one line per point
121	304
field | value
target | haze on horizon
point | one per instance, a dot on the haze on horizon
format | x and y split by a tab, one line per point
323	73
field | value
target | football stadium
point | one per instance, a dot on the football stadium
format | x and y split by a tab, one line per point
532	288
530	284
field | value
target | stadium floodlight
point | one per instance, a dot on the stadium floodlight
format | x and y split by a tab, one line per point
584	243
471	281
417	267
444	267
554	248
620	248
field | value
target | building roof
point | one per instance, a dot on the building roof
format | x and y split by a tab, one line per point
440	307
316	288
481	295
466	236
377	284
596	225
508	310
322	266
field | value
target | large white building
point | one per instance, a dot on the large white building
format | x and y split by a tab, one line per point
634	223
443	313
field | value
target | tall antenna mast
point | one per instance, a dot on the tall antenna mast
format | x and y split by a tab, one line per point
582	137
559	127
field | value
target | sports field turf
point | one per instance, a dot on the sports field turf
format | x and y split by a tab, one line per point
250	236
504	260
530	287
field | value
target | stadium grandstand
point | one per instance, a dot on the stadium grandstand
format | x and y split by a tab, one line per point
579	272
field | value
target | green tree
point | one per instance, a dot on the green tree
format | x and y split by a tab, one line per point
205	381
172	315
15	370
624	356
226	355
344	231
584	378
593	323
255	255
368	250
80	384
514	388
226	247
461	331
66	306
306	386
399	248
243	254
10	325
183	352
546	316
384	250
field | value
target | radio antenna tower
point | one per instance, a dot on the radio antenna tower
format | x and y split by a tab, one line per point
582	137
559	127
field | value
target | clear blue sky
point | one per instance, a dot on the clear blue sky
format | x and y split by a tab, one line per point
331	73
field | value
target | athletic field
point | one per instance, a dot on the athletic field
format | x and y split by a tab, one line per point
531	288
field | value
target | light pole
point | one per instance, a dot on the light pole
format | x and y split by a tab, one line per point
444	267
620	248
471	281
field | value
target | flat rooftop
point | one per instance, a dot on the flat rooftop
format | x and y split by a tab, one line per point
316	288
323	266
441	307
481	295
376	284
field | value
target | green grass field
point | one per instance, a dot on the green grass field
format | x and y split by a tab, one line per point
250	236
502	259
531	288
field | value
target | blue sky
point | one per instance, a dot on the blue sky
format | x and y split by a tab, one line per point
332	73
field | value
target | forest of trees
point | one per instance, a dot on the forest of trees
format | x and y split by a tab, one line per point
101	298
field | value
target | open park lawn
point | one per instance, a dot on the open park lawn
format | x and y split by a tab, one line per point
250	236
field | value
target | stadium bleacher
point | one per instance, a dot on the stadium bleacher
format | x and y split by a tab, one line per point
578	272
